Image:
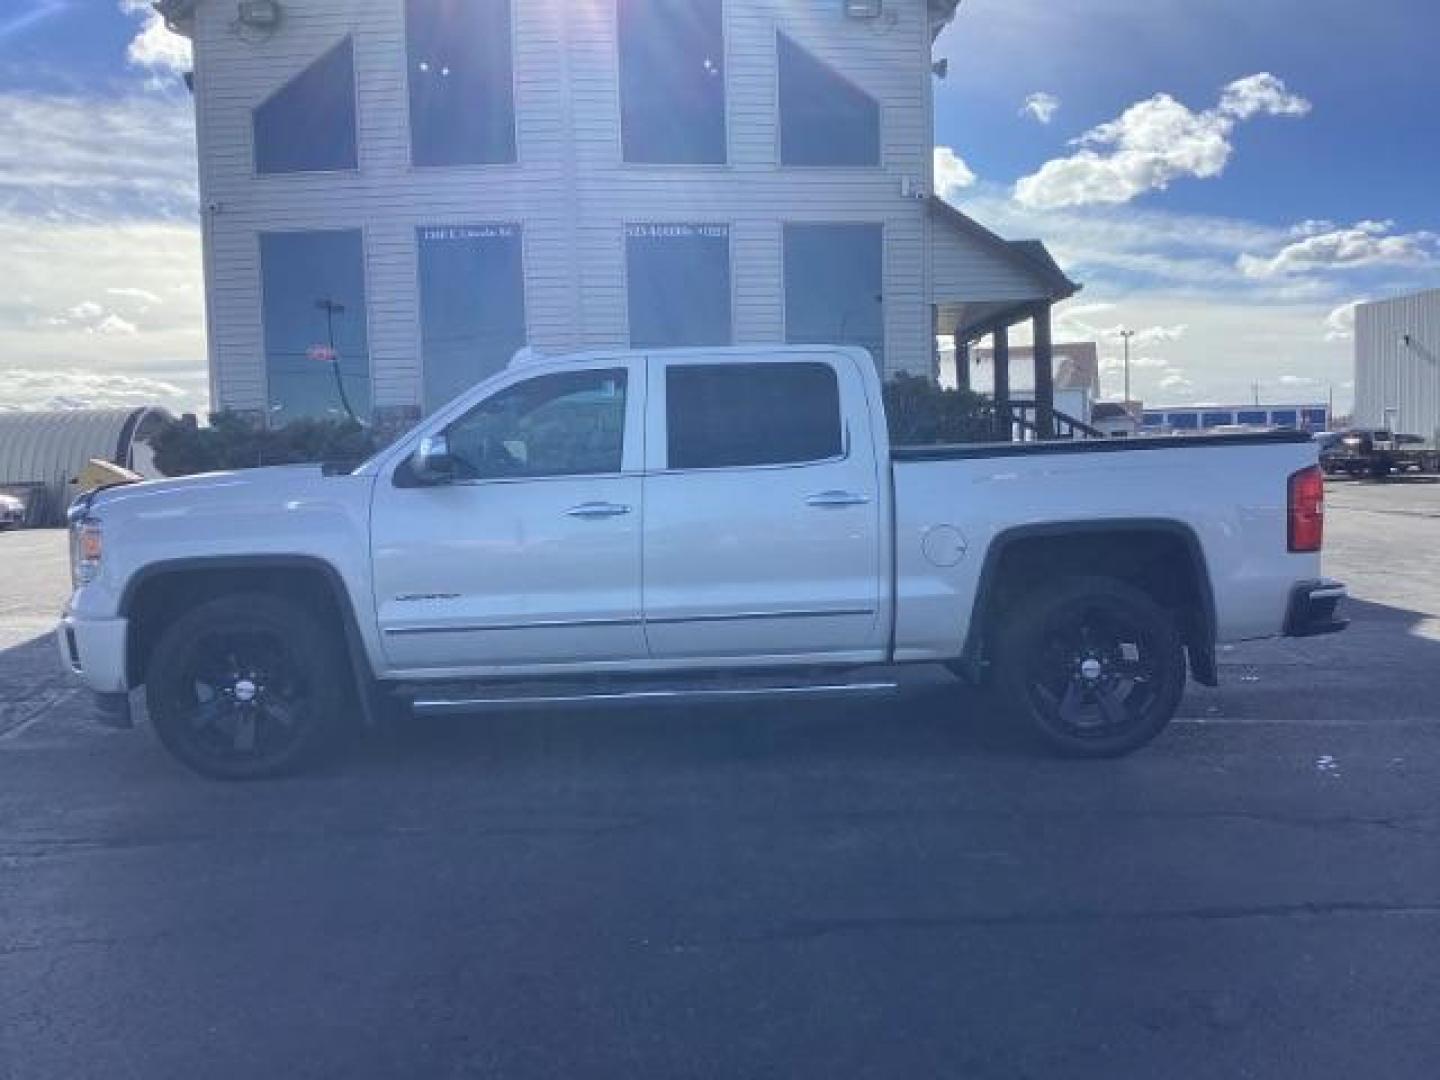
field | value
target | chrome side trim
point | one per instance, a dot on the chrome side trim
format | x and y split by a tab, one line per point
741	615
548	624
566	624
698	694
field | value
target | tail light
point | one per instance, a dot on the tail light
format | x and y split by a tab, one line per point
1307	509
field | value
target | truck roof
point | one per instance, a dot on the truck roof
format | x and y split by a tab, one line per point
528	355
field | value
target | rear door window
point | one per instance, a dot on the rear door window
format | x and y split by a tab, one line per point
736	415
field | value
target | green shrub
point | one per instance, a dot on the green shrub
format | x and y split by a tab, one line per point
920	413
235	441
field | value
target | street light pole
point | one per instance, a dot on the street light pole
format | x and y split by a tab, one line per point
331	309
1126	335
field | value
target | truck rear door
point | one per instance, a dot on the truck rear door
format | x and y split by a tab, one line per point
762	535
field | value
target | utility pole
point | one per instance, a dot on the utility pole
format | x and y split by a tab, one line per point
1255	393
1125	336
331	309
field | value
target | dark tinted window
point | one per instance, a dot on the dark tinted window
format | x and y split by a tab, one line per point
313	294
1283	417
308	125
472	306
568	424
672	81
462	97
1184	421
1256	416
824	118
833	276
1153	419
720	415
1216	419
679	284
1318	417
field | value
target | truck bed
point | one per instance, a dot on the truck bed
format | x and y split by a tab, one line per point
969	451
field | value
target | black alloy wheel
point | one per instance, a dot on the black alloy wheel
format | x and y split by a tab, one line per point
245	687
1095	665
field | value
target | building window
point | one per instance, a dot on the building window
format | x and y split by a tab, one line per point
824	118
732	415
1316	418
313	301
568	424
1217	419
833	286
1283	417
462	93
472	306
1256	416
679	284
308	125
1152	420
672	81
1184	421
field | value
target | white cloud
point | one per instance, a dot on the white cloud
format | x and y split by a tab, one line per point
1296	380
1262	93
112	325
155	49
1153	143
1366	243
145	296
97	158
66	342
951	172
1041	106
1175	380
1340	323
33	388
85	311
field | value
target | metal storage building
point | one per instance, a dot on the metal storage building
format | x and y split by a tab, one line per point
41	452
1397	364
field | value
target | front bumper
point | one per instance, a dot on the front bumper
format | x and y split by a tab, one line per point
1313	606
94	651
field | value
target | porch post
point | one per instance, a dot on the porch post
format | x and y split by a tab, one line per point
962	360
1045	375
1001	348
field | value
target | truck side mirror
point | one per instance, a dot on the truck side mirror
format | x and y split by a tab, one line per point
431	463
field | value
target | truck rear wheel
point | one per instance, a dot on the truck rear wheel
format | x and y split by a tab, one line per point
1095	665
245	687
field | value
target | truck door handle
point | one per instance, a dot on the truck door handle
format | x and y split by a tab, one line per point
598	510
837	498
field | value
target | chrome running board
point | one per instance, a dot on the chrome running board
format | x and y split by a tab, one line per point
484	699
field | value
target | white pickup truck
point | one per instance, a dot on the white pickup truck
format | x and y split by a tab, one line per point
631	526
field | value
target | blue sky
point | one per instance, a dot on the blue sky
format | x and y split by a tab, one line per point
1225	177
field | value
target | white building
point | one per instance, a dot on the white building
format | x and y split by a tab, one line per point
1397	364
430	184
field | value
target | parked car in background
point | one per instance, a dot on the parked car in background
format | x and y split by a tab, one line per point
12	511
1377	453
697	523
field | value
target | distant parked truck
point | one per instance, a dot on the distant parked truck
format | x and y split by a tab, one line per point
1377	453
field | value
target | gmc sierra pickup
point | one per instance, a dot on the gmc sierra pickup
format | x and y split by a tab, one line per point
632	526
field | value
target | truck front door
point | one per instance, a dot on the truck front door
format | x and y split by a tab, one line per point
529	555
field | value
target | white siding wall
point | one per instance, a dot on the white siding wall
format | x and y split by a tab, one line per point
1390	374
570	191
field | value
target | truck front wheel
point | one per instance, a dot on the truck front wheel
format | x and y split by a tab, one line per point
1095	665
245	686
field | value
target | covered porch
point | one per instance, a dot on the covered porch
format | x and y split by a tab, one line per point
982	285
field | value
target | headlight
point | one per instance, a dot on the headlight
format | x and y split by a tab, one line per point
87	544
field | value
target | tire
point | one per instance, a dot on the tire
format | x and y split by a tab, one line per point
1094	665
246	687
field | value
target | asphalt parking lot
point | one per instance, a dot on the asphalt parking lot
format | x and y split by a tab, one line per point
870	890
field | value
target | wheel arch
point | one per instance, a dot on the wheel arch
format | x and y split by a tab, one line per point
1065	546
162	587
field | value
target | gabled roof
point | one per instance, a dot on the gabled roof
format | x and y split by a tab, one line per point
1028	256
941	12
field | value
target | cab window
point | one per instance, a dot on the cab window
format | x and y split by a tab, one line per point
566	424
